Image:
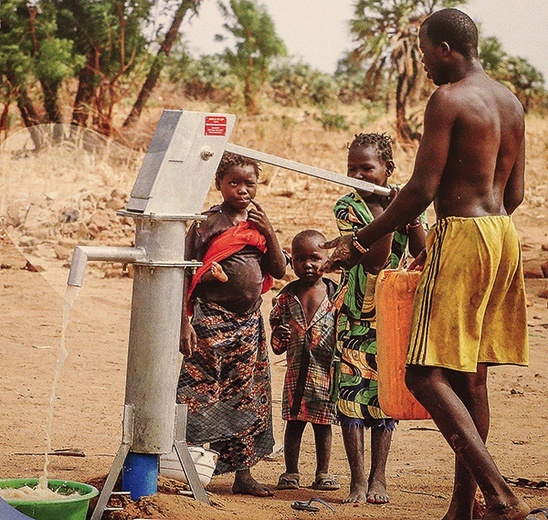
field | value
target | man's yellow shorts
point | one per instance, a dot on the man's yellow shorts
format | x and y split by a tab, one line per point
470	307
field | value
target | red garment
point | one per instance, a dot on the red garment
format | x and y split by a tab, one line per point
222	246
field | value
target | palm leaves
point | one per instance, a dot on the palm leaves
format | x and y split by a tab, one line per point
386	32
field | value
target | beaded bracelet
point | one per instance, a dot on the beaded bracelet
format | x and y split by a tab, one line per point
413	225
357	245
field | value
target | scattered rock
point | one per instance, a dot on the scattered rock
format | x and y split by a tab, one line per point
69	216
68	243
116	203
62	253
27	241
530	273
33	268
102	219
39	232
117	193
16	212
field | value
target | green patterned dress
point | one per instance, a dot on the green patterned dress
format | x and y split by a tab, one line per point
354	368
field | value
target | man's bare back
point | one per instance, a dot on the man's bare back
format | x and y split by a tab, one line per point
486	143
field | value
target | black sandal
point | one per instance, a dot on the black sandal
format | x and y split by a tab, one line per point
303	505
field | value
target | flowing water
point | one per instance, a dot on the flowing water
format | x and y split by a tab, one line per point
41	491
71	294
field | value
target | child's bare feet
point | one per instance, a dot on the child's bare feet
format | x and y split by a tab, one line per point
218	272
376	494
245	484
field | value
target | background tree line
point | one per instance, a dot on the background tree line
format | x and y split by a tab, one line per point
98	54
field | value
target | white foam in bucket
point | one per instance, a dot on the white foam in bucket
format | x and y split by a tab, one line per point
204	459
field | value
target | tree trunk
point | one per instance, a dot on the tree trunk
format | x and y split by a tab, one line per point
51	102
84	95
159	61
402	126
29	114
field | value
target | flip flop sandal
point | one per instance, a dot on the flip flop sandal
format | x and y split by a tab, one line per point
326	482
303	505
289	481
543	510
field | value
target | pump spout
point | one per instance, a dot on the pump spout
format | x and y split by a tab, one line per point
82	254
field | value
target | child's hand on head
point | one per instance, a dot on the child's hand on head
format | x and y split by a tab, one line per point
218	272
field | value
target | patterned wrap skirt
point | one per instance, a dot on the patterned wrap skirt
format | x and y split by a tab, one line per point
226	385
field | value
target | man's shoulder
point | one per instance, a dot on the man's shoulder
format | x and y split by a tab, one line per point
471	88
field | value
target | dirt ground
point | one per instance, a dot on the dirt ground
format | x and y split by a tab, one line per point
90	393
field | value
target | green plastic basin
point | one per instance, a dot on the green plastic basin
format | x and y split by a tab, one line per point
71	508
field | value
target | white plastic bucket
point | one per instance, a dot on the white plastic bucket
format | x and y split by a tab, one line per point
204	459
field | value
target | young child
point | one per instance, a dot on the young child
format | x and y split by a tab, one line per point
354	364
225	379
303	326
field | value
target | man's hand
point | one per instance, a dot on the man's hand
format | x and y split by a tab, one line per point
345	254
188	338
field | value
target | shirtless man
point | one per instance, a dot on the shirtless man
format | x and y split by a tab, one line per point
470	305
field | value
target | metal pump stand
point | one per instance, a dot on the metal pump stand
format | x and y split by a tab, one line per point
170	190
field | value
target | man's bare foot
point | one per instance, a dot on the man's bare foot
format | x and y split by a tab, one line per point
218	272
376	494
245	484
517	511
357	495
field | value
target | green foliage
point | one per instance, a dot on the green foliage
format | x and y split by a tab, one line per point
297	84
372	110
32	52
491	54
249	23
55	60
111	27
387	50
109	34
208	77
331	121
516	73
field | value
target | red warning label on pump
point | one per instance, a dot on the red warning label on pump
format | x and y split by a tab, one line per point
215	125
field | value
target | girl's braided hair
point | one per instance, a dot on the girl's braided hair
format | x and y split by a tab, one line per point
382	142
231	159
